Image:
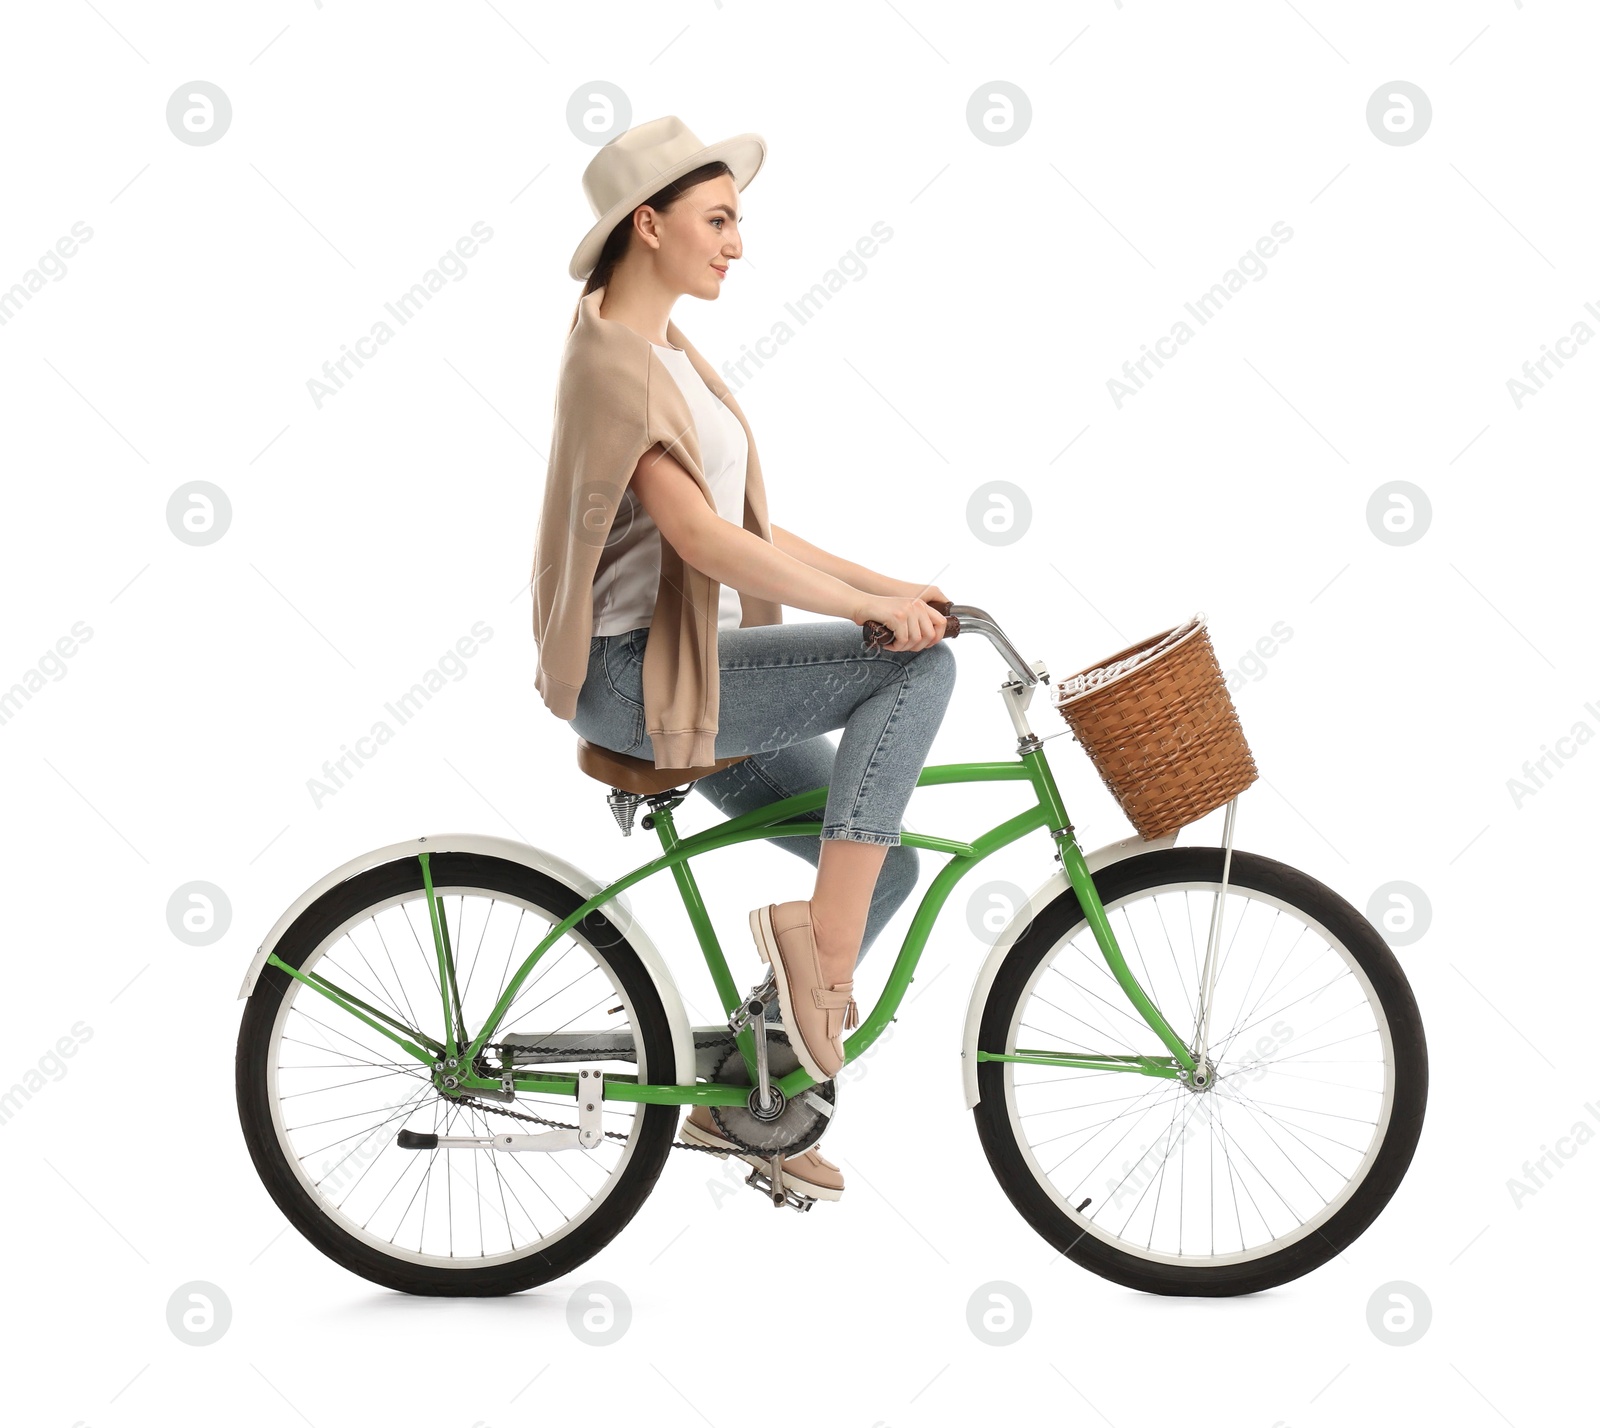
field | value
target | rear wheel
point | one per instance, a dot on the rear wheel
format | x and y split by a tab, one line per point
1301	1136
322	1096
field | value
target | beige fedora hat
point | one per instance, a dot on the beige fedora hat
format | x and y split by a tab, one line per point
644	159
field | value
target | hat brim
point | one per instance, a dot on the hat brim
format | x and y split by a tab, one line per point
744	154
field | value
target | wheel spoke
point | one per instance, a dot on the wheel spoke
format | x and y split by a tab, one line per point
340	1097
1277	1147
399	980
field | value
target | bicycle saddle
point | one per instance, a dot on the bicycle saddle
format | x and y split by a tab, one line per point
640	776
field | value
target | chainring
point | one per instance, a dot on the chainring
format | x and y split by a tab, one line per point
797	1127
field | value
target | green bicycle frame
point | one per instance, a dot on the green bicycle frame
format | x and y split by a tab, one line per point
454	1057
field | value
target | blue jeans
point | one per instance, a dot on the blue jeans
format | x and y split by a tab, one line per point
783	687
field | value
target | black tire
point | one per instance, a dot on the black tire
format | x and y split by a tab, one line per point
654	1125
1057	1222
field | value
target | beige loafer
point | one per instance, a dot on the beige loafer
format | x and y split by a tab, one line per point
815	1015
806	1174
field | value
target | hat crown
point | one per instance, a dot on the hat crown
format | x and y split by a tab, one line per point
631	162
641	162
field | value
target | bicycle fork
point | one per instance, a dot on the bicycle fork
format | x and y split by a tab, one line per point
1082	880
1094	912
1208	975
1196	1068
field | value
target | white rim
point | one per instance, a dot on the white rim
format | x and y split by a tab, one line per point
349	1151
1168	1111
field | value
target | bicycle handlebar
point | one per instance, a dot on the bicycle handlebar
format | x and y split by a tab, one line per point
958	618
876	634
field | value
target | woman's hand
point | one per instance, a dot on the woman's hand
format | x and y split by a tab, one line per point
915	623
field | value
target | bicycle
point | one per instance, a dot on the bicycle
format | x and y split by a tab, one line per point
413	1135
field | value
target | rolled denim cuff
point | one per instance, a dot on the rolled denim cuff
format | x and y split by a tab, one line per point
858	835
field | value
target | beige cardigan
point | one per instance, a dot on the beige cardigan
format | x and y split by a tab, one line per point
615	399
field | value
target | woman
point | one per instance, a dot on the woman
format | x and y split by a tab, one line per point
674	528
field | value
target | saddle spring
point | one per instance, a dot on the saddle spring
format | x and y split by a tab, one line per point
624	806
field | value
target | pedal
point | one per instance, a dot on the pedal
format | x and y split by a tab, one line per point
769	1183
755	1004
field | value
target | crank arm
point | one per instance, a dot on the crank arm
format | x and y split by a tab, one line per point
754	1008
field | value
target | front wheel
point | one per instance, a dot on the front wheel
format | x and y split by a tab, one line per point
1299	1139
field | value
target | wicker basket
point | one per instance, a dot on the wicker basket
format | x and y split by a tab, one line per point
1159	725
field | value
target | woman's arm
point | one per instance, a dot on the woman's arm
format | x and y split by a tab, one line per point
732	555
852	574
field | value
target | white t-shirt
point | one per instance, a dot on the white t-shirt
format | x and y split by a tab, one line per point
629	570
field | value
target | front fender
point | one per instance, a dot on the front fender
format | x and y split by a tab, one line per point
1043	895
510	851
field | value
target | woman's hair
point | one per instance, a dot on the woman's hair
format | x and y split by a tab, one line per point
616	243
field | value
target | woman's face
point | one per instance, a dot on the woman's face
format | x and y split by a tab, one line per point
700	238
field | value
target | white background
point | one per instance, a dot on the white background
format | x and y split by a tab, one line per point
368	535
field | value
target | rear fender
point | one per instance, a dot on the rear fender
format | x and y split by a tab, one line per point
510	851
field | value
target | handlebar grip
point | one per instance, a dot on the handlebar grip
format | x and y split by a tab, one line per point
876	635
